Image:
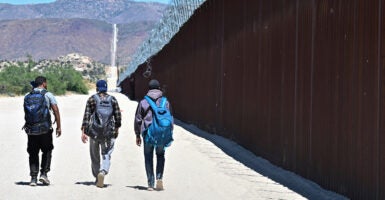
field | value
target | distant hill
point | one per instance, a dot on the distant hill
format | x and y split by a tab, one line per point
51	38
111	11
47	31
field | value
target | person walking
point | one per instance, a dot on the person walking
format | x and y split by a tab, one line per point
101	123
38	126
144	125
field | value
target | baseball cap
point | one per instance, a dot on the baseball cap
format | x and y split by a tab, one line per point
101	86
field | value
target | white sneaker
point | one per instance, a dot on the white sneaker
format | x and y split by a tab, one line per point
44	179
159	184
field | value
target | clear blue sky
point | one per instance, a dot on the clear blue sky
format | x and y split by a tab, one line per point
48	1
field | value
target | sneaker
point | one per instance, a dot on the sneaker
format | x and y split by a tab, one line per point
100	179
159	184
150	189
33	181
44	179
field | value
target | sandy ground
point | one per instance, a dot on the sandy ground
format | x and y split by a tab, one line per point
198	166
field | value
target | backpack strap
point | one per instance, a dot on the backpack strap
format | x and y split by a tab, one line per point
163	102
43	92
151	102
109	98
96	98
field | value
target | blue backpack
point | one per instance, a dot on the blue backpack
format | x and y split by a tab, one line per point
159	133
36	113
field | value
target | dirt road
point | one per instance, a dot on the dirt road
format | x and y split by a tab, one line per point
199	165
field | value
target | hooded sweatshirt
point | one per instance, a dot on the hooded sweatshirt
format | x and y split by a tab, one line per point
143	115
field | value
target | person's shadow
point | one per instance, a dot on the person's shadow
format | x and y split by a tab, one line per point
90	183
24	183
138	187
87	183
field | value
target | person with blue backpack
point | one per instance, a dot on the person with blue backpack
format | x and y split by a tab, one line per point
154	122
38	126
101	123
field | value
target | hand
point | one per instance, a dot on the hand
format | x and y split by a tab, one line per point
138	140
84	138
58	132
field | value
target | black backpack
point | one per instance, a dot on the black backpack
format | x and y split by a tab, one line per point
102	123
36	113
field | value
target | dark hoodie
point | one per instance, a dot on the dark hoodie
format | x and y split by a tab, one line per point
143	115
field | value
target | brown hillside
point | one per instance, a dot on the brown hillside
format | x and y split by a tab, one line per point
51	38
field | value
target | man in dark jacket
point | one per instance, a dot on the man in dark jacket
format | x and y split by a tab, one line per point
143	118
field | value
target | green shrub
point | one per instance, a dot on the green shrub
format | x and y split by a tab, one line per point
16	79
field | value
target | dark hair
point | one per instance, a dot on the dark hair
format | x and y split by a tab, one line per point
40	80
154	84
33	84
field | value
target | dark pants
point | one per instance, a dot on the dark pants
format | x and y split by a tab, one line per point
149	160
35	144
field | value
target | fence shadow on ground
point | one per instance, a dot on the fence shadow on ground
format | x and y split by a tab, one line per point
294	182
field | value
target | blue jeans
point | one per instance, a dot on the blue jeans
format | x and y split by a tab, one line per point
103	148
149	160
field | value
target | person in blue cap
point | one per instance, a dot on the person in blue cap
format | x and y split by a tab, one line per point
101	123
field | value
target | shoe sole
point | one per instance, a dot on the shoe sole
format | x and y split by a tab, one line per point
100	182
33	184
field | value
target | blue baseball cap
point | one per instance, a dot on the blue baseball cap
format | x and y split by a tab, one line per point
101	86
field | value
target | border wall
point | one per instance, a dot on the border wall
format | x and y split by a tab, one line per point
298	82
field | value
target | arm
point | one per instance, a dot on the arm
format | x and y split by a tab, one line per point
137	124
170	109
52	103
56	112
117	116
86	118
